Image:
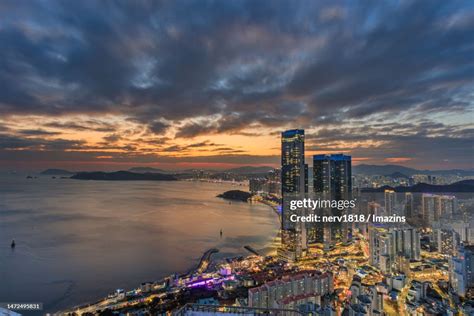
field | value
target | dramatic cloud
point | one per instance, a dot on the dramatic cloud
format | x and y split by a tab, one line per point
419	143
36	132
11	142
378	79
158	127
86	126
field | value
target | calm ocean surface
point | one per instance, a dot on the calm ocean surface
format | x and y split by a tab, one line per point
78	240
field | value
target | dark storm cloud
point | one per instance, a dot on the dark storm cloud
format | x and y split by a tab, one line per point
13	142
420	142
112	138
225	66
158	60
390	131
228	150
85	126
158	127
31	155
37	132
205	143
233	124
192	146
155	141
3	128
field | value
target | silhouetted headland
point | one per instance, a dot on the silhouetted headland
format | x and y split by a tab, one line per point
235	195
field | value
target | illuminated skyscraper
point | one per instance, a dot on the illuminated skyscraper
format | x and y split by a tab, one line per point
461	270
293	168
446	238
409	209
389	198
332	176
388	243
294	180
294	184
435	207
332	179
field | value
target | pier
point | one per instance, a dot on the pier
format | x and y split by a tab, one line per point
251	250
203	263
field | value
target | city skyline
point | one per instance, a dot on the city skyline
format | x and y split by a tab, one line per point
196	84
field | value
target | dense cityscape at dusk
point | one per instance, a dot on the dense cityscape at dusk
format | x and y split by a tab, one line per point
354	265
197	158
423	266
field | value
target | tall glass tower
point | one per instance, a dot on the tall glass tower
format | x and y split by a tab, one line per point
293	168
332	179
332	176
294	185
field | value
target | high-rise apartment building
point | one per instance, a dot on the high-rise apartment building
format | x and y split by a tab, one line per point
409	205
332	176
332	179
390	200
289	291
436	206
446	238
461	270
387	245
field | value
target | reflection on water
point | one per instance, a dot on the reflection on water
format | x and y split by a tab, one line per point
76	241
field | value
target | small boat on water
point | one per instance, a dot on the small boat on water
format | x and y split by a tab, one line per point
13	244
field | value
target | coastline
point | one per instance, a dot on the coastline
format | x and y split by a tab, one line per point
153	221
206	256
204	262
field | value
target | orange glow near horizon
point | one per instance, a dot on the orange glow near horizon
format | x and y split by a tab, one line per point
397	159
114	142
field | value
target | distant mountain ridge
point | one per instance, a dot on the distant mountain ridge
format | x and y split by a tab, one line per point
238	170
250	170
147	170
397	169
397	175
464	186
394	171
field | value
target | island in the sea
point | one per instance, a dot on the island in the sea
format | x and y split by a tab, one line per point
122	176
56	172
236	195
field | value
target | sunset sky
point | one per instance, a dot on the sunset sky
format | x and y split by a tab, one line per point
87	85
